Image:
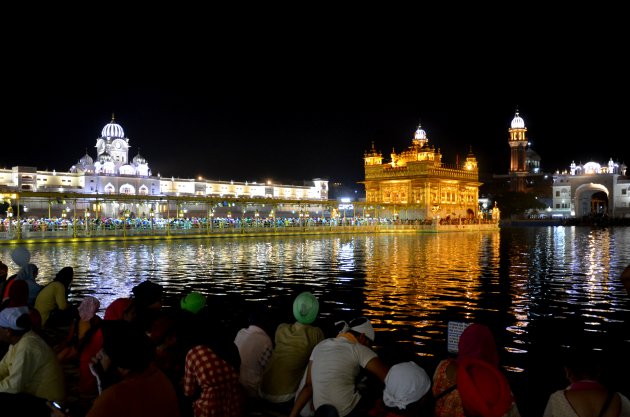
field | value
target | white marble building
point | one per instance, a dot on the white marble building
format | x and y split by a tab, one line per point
113	173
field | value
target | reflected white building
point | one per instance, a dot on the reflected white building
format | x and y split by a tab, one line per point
111	172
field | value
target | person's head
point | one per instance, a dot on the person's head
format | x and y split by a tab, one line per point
14	322
582	363
88	308
406	383
18	293
120	309
21	256
147	296
362	328
477	341
65	276
305	308
483	388
193	302
126	347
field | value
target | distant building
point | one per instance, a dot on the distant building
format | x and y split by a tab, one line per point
583	190
417	185
113	173
592	190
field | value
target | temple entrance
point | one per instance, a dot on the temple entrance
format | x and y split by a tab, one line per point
591	200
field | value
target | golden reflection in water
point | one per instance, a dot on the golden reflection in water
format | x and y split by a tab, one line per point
423	275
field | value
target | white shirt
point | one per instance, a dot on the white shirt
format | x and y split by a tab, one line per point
559	406
31	366
254	347
336	364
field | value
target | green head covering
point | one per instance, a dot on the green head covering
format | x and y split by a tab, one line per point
305	308
193	302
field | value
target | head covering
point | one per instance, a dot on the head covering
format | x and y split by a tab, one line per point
405	383
193	302
21	256
27	272
65	275
476	341
147	293
10	315
126	345
18	293
88	308
116	310
305	308
363	325
484	390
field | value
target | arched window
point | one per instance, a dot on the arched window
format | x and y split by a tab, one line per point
127	189
109	189
143	190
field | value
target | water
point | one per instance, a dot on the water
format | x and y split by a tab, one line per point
520	281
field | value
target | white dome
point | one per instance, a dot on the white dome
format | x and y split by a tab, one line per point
518	122
420	134
592	168
112	130
86	160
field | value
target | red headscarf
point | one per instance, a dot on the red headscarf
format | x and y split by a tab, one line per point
116	310
477	341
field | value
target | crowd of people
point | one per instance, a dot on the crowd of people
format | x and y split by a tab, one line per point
141	359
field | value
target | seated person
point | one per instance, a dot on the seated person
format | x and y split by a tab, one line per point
333	369
585	396
477	357
294	343
53	298
29	372
138	388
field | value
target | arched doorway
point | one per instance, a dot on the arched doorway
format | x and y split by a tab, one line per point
591	199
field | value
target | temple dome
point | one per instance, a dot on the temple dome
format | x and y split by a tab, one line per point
86	160
139	159
420	134
112	130
518	122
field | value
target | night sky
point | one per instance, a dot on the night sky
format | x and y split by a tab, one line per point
293	102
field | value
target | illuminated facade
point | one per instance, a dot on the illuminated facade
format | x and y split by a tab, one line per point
113	173
592	190
416	182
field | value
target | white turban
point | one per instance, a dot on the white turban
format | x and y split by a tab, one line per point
405	383
365	327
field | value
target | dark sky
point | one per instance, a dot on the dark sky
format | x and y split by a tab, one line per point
252	101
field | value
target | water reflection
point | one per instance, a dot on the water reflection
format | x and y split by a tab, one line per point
410	285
